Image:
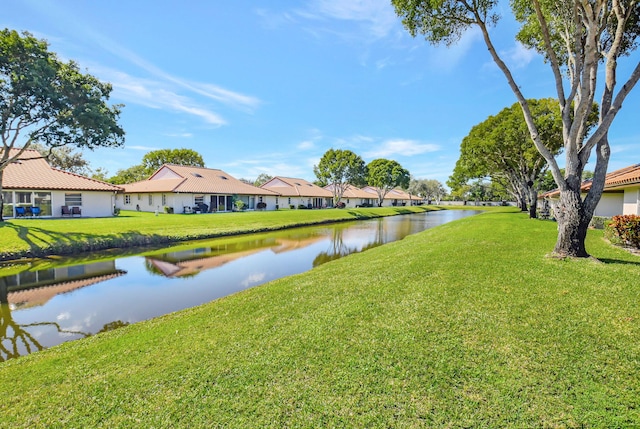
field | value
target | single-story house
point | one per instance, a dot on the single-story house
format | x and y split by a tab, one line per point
621	194
395	197
30	186
185	189
296	192
355	197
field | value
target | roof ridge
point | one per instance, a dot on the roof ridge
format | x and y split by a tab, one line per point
85	177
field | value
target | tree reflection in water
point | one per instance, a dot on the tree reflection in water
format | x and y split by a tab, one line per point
18	339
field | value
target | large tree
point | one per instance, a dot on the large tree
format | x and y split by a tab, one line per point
340	168
500	148
385	175
47	101
64	158
261	179
132	174
575	37
429	189
156	158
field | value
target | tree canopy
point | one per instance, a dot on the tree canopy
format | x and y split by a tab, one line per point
429	189
64	158
157	158
500	148
135	173
262	179
47	101
575	37
385	175
340	168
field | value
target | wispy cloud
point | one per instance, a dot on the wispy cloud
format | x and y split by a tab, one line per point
144	148
156	94
153	87
446	58
401	147
306	145
180	135
519	56
376	17
273	20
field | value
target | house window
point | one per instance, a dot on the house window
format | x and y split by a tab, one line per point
151	200
260	199
276	200
289	200
43	200
139	197
7	197
23	198
164	200
72	199
127	199
7	209
199	200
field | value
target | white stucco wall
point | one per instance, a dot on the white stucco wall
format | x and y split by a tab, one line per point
180	201
631	204
610	205
94	204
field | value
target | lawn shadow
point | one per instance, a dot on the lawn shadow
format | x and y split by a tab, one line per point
619	261
43	242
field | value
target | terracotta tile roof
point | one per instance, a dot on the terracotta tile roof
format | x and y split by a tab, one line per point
29	173
401	195
617	179
293	187
352	192
41	294
625	176
197	180
393	194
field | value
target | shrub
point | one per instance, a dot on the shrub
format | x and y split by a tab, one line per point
261	206
626	228
598	222
240	205
291	206
302	206
168	209
340	205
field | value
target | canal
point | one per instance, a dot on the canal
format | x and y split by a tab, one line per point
63	299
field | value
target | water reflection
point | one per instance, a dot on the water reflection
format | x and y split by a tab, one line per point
68	300
35	288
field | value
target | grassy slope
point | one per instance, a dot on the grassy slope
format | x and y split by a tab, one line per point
39	237
467	324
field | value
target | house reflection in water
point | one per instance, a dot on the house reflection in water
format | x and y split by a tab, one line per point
189	262
35	288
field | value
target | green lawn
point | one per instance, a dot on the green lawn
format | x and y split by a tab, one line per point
465	325
40	237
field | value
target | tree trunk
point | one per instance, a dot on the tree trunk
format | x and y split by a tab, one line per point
572	225
533	202
1	197
533	209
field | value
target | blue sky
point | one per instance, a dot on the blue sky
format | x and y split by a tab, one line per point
268	87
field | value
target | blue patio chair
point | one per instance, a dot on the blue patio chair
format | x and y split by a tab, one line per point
21	212
35	211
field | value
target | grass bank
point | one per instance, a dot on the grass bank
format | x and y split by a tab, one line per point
20	238
464	325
